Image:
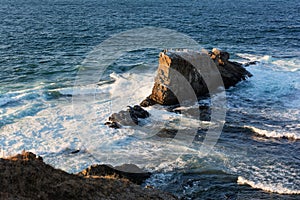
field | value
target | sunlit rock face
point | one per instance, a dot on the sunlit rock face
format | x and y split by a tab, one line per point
184	75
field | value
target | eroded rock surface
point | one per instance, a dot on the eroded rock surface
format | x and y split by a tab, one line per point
177	73
26	176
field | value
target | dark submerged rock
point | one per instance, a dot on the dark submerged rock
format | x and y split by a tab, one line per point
130	172
250	63
112	125
202	112
167	133
129	117
139	112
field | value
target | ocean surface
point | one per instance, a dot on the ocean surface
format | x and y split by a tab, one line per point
46	45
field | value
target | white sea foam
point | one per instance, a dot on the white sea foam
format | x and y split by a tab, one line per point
278	64
20	95
292	134
4	100
252	57
275	188
88	90
60	126
8	98
55	130
4	46
129	88
48	133
288	65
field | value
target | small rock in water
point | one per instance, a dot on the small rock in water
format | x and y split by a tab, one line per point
75	151
250	63
112	124
139	112
129	117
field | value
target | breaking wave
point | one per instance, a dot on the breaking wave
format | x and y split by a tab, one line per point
277	64
274	188
291	134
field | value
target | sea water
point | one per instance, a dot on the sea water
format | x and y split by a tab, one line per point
43	45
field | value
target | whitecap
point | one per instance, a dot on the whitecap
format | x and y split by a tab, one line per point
276	64
4	101
291	134
252	57
274	188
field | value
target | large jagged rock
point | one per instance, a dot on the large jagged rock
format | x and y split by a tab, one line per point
168	83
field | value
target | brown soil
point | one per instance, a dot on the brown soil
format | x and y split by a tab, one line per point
26	176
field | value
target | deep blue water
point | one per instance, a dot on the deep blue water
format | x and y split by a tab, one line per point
42	47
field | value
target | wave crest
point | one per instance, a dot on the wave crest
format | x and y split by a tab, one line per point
277	64
275	134
274	188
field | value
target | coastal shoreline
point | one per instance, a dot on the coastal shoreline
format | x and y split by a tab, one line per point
26	176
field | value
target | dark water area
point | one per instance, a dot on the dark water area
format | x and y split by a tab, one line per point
43	44
46	39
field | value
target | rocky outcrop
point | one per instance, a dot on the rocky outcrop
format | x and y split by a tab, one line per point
129	117
26	176
177	67
128	172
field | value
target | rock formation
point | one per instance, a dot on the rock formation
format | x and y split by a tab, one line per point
26	176
128	172
178	80
177	67
129	117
